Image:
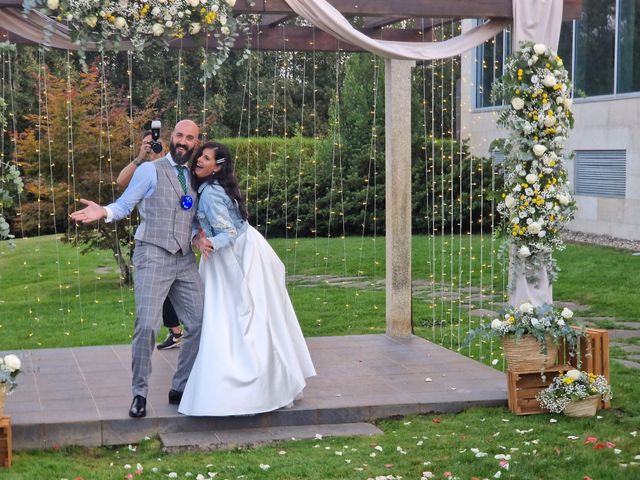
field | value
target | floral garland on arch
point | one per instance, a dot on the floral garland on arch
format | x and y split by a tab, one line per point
536	201
147	21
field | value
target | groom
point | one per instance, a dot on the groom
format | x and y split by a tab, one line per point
163	261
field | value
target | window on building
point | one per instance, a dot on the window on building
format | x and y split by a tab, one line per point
489	66
629	46
601	51
595	34
601	173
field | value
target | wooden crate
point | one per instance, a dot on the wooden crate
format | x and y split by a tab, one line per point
523	387
5	442
592	355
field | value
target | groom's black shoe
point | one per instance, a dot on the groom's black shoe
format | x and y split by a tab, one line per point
138	407
175	396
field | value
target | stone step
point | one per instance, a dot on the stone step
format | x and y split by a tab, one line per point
251	437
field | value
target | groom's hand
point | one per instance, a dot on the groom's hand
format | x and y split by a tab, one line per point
202	243
90	213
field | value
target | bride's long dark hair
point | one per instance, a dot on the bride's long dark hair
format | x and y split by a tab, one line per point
225	176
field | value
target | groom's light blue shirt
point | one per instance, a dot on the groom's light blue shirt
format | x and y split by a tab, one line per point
142	185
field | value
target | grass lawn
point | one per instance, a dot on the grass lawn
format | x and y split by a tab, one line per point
50	296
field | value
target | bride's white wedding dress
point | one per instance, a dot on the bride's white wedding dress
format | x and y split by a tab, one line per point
253	357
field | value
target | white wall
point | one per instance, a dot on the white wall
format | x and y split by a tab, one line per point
601	123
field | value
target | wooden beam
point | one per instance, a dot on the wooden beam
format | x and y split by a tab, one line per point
406	8
411	8
294	38
271	20
378	22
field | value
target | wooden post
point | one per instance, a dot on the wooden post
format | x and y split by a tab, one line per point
398	196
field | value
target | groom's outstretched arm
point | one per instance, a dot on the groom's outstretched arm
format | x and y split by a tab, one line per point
142	185
91	213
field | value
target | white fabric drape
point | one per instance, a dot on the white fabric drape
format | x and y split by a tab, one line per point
324	16
538	21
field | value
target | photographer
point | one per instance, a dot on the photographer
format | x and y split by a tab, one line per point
145	153
169	317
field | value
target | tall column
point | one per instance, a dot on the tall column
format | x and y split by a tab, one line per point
398	196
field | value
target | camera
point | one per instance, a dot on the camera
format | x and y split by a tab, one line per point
155	143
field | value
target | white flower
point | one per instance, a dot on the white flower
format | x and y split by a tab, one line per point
560	322
231	3
193	3
12	362
531	178
568	103
563	199
526	307
534	228
224	30
540	48
549	121
222	19
91	20
535	322
509	201
156	11
534	79
549	80
517	103
194	28
169	23
53	4
157	29
573	374
496	324
566	313
539	150
542	234
524	252
120	23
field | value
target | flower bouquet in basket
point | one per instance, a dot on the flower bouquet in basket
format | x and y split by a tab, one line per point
530	335
575	393
9	370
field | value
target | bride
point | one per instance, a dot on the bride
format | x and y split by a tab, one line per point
252	357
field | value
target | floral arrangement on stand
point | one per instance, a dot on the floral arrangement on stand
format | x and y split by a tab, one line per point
10	180
145	22
540	322
9	370
573	386
536	201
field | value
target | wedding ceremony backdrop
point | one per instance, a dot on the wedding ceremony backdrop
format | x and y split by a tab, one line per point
321	152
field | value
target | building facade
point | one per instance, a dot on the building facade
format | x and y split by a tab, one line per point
601	50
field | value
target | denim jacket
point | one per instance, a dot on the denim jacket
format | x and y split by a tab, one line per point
219	216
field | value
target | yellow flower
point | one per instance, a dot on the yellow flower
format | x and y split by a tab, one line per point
567	380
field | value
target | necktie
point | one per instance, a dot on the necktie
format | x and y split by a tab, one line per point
182	179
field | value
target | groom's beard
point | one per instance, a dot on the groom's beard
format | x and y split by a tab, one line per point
180	159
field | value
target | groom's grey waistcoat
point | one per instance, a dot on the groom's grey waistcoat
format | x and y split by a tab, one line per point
163	222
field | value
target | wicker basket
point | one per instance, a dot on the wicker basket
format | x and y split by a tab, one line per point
3	397
583	408
525	353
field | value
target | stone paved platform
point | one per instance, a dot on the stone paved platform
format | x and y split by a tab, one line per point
81	396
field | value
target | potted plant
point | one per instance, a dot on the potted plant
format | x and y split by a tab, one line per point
530	335
575	393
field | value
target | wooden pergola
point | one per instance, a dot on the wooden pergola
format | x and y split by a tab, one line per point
380	19
383	20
